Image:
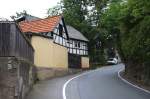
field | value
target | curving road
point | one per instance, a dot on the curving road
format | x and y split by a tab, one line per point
102	83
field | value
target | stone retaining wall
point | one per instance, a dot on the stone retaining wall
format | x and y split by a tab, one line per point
47	73
16	77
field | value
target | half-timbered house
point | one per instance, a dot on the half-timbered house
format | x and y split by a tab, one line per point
77	48
49	38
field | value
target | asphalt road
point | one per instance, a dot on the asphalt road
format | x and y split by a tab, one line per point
102	83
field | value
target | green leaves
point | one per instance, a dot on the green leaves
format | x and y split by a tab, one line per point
135	34
84	15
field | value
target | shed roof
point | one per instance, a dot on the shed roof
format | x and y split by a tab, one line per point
75	34
40	25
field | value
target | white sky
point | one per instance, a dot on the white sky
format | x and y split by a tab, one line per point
34	7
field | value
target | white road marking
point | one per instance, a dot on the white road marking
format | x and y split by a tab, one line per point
131	83
68	81
65	85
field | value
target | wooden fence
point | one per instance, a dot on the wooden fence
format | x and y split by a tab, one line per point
14	43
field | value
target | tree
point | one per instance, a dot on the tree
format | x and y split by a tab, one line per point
129	24
135	38
84	16
108	25
19	14
56	10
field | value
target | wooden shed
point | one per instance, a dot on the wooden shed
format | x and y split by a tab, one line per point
17	71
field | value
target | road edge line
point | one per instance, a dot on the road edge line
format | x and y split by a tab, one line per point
129	83
65	85
69	80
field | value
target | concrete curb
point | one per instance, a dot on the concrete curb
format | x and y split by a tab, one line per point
133	85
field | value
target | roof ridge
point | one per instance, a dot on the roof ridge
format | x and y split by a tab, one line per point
41	19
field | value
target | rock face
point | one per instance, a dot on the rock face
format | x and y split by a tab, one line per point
16	77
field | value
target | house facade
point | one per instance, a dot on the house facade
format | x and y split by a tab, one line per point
49	39
78	46
56	45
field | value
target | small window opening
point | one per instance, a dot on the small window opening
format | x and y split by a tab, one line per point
60	30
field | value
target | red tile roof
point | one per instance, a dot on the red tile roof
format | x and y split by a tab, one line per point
41	25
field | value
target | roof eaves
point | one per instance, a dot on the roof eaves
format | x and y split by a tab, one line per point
78	39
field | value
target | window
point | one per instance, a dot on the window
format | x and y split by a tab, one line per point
60	30
77	44
85	46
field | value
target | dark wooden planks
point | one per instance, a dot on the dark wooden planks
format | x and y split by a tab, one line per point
4	39
13	42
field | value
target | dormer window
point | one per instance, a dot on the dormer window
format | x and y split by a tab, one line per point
60	30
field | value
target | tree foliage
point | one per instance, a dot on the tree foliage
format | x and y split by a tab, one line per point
19	14
84	16
56	10
129	23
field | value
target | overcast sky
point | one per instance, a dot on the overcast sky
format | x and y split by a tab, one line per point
34	7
